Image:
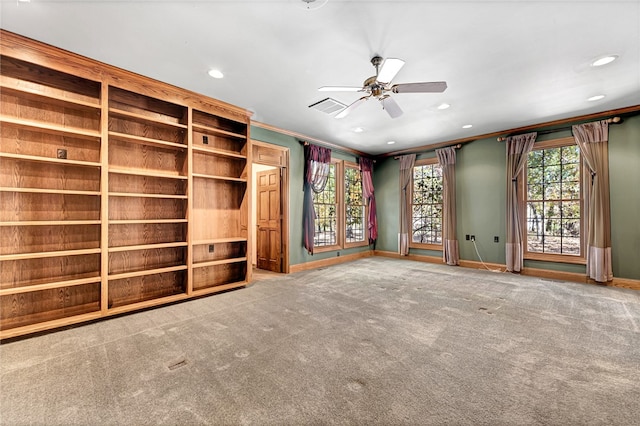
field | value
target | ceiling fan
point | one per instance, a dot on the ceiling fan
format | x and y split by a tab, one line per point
380	85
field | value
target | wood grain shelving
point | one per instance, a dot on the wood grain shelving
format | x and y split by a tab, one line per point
117	192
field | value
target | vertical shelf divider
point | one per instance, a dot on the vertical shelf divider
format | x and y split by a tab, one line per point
190	201
104	199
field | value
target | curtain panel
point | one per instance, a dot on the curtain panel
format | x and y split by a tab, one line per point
518	147
447	160
366	168
406	172
316	171
592	138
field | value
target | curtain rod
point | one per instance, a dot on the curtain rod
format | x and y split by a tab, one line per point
458	146
612	120
305	143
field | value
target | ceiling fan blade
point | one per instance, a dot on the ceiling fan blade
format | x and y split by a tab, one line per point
339	89
430	87
392	108
388	70
351	107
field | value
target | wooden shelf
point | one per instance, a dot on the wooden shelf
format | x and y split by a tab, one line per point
133	115
219	288
47	325
145	141
148	246
51	222
50	128
146	272
21	256
204	128
48	286
145	195
49	160
13	86
227	178
219	152
50	191
147	304
142	221
220	241
219	262
141	172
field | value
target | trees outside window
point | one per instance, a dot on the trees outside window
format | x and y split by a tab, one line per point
426	205
325	204
355	222
340	209
553	201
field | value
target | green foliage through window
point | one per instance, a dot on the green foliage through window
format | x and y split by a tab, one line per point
325	204
426	205
553	200
354	206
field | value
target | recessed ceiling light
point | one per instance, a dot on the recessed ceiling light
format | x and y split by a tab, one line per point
358	129
595	98
216	74
443	106
310	4
604	60
391	142
467	126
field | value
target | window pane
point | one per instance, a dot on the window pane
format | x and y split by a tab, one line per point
552	157
535	192
552	174
552	191
570	190
534	175
571	245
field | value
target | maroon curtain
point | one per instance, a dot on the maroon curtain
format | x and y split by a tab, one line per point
366	167
316	170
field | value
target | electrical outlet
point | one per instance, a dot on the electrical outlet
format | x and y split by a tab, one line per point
338	254
205	139
466	237
62	154
496	239
210	248
473	238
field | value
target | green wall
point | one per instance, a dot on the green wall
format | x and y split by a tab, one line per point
481	199
297	253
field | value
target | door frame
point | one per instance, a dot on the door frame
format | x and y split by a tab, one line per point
276	156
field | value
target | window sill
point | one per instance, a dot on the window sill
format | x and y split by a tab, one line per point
322	249
558	258
358	244
436	247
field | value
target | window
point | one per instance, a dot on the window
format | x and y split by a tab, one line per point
553	202
341	220
325	204
426	205
355	219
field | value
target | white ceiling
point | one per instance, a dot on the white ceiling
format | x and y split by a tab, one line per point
508	63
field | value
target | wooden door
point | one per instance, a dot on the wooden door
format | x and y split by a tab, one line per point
269	220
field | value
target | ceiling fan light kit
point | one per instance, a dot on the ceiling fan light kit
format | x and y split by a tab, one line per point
379	86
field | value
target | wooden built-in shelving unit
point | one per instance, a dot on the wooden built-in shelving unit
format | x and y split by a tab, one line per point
117	192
